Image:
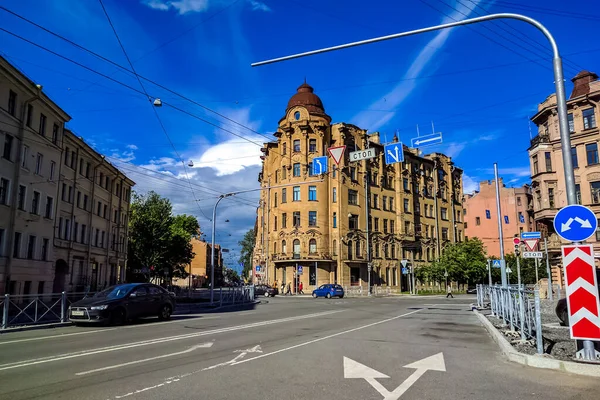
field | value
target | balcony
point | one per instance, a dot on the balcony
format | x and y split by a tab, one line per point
543	138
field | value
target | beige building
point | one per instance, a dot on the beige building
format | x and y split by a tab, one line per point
481	217
545	154
31	136
91	226
415	206
200	265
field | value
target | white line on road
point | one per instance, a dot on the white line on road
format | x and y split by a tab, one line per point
230	363
198	346
84	353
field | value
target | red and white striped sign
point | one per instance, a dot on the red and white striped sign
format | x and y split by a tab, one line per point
582	292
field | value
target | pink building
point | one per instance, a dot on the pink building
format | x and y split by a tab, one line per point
481	216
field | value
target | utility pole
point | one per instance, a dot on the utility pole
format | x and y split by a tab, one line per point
500	232
367	230
489	262
435	205
268	231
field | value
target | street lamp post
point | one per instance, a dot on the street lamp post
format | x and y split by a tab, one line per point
214	225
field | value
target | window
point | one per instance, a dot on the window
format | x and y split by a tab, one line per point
417	207
87	173
591	150
284	195
571	123
60	228
296	193
595	190
38	163
102	240
75	230
296	171
12	103
73	159
477	221
296	146
335	220
589	119
385	250
376	224
506	221
85	202
353	221
375	201
394	256
29	114
283	173
81	166
312	218
406	206
385	226
458	217
353	173
521	218
312	246
312	193
45	249
391	226
296	219
67	156
488	215
405	184
535	164
42	130
104	213
444	212
352	197
2	235
55	134
96	237
52	170
275	223
284	152
31	247
284	220
4	191
391	204
78	198
24	156
99	209
312	146
283	247
48	210
82	238
384	203
115	216
296	244
8	142
548	158
35	203
551	197
310	169
444	233
334	195
21	197
17	245
357	250
574	157
334	248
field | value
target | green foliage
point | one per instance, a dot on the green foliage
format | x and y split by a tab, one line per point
158	240
231	276
527	269
247	244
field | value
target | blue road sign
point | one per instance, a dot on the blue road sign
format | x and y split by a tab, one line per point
404	271
426	140
496	264
575	223
531	235
258	268
299	269
393	153
319	165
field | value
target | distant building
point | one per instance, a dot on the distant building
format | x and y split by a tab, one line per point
545	155
201	266
481	216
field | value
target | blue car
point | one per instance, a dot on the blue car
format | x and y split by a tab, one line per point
328	290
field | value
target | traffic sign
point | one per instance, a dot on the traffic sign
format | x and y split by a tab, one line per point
426	140
337	153
394	153
496	264
299	269
404	263
531	243
319	165
582	292
531	235
257	268
404	271
363	154
533	254
575	223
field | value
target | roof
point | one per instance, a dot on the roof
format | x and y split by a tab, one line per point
306	98
581	83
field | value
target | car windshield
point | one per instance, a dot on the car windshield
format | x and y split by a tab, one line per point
115	292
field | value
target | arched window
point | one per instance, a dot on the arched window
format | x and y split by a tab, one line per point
385	251
349	249
296	246
312	145
334	250
283	247
312	246
275	247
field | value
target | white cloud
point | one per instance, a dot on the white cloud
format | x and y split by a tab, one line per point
398	94
469	184
454	149
132	147
156	4
259	6
230	157
196	6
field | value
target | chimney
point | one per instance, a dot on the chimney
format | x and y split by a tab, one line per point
581	83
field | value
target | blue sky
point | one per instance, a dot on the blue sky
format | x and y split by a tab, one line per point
478	84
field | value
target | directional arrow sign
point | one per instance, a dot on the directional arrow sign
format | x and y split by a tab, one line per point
575	223
356	370
426	140
319	165
394	153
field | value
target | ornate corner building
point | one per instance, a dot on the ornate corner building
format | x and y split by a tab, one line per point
317	223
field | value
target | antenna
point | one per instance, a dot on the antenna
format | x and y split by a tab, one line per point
529	121
418	134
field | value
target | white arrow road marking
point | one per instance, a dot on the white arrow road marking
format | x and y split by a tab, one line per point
255	349
198	346
355	370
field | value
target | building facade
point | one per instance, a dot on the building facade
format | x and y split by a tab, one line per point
545	154
200	265
31	137
319	222
91	228
481	217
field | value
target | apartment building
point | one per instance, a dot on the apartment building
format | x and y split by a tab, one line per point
91	228
481	217
31	138
545	154
415	207
200	265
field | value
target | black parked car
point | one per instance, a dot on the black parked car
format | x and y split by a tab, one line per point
562	311
472	290
265	290
121	303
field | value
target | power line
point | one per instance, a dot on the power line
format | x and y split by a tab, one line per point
548	11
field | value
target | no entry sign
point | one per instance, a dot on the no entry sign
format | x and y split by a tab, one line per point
582	292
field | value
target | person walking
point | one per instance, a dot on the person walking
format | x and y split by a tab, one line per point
300	286
289	289
282	291
449	291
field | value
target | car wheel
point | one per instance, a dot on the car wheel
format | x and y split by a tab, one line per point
341	296
565	317
266	294
328	295
117	317
314	295
165	312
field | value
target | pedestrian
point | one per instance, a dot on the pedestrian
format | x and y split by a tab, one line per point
300	286
449	291
283	288
289	289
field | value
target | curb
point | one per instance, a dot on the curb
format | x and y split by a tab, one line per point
535	361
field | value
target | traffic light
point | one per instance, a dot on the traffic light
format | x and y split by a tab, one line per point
517	243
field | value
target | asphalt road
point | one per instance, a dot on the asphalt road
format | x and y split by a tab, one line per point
292	348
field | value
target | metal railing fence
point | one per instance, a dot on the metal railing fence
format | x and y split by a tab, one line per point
236	295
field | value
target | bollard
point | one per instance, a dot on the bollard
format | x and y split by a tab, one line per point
63	307
35	315
538	323
5	311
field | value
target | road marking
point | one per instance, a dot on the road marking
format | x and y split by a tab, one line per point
180	377
85	353
198	346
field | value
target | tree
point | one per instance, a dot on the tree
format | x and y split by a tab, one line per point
231	276
247	244
465	262
527	269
